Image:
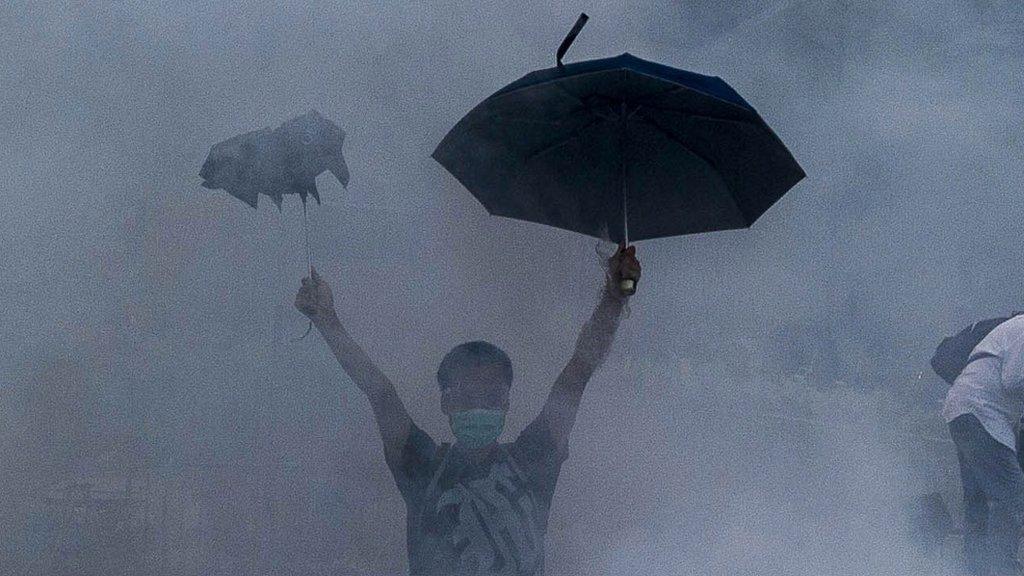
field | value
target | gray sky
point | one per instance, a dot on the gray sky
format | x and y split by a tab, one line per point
905	114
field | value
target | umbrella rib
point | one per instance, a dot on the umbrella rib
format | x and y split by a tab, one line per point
702	116
574	135
484	117
704	159
549	82
677	88
511	120
682	87
673	138
759	124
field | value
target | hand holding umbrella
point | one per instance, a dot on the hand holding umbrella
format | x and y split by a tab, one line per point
315	298
624	270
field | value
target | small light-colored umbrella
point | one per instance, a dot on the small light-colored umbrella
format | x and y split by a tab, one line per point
277	162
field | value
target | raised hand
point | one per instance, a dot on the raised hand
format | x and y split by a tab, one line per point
315	298
623	271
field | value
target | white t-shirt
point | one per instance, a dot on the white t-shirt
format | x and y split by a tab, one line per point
991	387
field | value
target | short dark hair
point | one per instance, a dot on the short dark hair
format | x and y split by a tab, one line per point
472	354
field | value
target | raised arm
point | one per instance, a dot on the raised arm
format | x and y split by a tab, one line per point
592	345
316	301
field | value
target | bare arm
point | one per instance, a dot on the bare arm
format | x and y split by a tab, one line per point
317	302
592	345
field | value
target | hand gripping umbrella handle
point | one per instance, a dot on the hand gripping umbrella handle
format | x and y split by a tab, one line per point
571	37
627	280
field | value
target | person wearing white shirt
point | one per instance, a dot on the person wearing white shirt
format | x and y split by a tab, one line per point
983	409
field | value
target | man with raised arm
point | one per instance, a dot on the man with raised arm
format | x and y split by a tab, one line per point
477	507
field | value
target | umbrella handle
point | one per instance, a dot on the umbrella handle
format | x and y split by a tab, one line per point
627	283
571	37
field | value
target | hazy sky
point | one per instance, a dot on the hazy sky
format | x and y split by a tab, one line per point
906	115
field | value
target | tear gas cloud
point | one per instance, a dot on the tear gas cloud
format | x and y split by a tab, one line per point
763	410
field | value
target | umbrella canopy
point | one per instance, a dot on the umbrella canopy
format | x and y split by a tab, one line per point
620	148
277	161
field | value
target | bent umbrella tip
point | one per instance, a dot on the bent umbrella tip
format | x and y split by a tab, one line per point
571	37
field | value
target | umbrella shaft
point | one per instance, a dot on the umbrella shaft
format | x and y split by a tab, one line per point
623	138
305	228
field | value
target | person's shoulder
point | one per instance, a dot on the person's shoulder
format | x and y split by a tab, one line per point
419	454
536	442
1012	328
1015	329
1004	337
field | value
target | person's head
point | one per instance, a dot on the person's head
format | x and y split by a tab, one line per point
475	378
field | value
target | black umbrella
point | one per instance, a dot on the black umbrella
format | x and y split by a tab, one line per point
277	162
620	148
